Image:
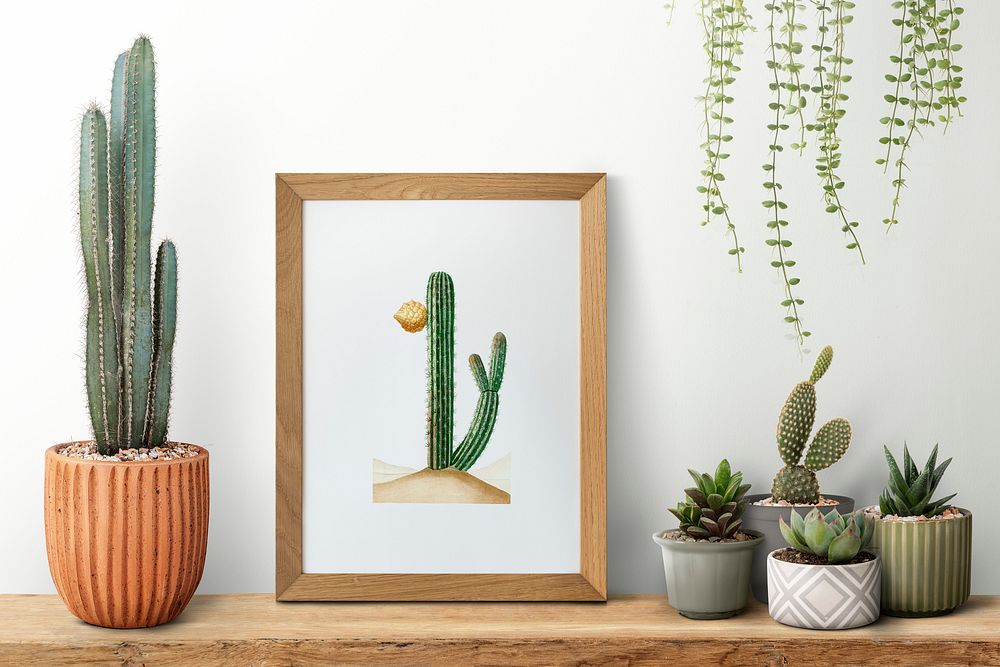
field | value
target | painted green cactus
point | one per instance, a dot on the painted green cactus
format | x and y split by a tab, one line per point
796	482
439	317
130	323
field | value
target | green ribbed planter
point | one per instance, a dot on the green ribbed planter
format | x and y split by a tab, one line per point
926	565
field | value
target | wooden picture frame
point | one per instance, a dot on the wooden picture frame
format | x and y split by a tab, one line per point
291	583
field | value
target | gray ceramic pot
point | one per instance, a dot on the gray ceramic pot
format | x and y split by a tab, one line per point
764	519
707	580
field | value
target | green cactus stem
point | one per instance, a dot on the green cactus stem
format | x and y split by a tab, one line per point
102	360
440	369
485	417
441	382
139	140
129	347
796	422
831	443
823	361
164	329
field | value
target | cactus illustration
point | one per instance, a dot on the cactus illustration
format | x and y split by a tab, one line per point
797	483
439	317
130	322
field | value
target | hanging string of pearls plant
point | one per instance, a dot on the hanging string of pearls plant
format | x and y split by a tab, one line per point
808	100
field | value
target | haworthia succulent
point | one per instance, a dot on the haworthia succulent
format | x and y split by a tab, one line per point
102	361
164	328
128	385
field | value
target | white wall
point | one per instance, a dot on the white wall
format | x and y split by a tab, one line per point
698	362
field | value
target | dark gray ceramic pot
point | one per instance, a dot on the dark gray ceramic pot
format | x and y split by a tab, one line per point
764	519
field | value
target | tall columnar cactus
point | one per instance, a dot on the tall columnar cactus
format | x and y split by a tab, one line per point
439	317
130	324
796	483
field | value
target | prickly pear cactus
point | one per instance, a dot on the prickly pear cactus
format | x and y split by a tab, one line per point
131	320
439	317
796	482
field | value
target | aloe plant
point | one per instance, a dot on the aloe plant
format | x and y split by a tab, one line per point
131	321
835	537
910	490
713	508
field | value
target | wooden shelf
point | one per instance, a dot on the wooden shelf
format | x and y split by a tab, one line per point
254	629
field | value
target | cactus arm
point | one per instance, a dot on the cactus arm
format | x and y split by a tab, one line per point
164	329
116	186
823	361
829	444
102	362
440	369
479	372
480	430
498	358
139	166
796	421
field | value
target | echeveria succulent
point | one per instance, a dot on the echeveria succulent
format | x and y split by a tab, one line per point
835	537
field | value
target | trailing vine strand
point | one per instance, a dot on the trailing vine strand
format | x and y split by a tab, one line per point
786	95
724	23
925	91
926	80
830	80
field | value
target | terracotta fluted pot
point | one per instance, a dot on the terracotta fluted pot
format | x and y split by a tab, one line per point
126	541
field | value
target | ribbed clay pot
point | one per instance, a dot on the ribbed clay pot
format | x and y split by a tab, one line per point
926	565
126	541
764	519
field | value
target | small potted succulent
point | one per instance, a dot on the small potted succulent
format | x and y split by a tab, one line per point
795	485
925	543
824	579
126	514
706	560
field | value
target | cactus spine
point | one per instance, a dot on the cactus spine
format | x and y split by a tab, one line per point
440	320
129	348
797	483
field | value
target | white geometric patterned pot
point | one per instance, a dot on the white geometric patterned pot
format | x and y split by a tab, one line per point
824	597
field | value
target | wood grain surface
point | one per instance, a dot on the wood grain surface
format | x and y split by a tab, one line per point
629	630
590	583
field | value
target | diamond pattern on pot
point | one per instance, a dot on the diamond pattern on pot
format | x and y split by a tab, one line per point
823	596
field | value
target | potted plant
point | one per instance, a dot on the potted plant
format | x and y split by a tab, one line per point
795	485
824	580
126	514
925	544
706	560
